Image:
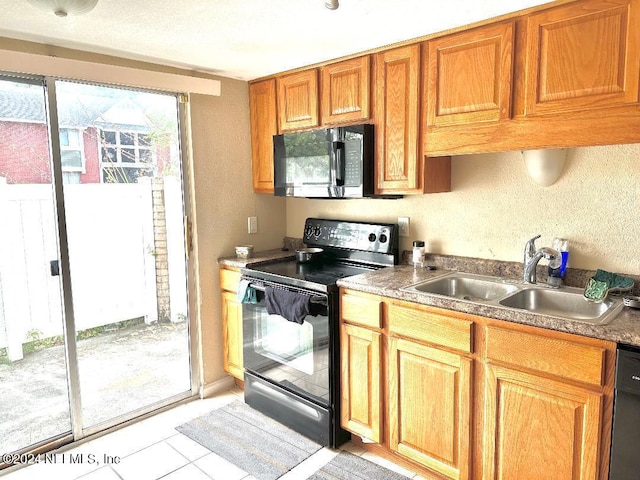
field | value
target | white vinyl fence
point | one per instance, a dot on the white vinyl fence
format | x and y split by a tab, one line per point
111	250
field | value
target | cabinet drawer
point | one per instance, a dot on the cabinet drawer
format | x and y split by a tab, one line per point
361	310
555	356
229	279
427	326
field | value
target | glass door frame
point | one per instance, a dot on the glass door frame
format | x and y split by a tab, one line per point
41	81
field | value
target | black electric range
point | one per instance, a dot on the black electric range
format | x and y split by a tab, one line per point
292	369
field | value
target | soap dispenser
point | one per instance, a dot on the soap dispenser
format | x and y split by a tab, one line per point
558	266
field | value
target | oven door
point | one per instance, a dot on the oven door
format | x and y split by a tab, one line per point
291	355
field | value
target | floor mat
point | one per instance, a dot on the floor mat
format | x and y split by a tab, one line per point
250	440
346	466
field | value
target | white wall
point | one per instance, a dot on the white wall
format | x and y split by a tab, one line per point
494	208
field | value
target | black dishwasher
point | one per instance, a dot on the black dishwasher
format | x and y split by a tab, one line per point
625	445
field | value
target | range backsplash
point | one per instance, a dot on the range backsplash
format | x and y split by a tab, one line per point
575	277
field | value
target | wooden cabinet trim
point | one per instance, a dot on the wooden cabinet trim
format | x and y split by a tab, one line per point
597	127
547	354
361	310
229	279
427	326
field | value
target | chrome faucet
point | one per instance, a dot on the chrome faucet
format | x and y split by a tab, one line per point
533	256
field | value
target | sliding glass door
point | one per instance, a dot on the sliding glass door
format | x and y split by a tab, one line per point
123	202
93	270
34	394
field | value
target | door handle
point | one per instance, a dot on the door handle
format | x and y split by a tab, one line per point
54	265
340	164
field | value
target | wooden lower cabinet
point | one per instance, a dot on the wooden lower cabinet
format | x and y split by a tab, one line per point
429	407
231	324
540	428
360	350
232	335
467	397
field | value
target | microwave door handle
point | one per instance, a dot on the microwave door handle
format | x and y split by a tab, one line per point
338	148
333	165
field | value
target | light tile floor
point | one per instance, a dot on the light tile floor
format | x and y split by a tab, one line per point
152	449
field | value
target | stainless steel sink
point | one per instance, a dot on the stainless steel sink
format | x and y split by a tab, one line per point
466	286
565	303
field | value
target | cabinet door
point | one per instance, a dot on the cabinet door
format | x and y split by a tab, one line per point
360	376
429	407
345	91
298	100
534	424
262	105
232	335
397	80
469	76
583	55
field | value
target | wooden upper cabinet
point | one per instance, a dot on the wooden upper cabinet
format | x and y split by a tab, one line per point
298	100
262	112
397	80
469	76
345	91
582	55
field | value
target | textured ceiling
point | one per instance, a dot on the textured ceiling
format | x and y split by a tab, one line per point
244	39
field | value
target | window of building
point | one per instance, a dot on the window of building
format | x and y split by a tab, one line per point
125	156
72	150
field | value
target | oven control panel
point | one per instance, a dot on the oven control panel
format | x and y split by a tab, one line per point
367	237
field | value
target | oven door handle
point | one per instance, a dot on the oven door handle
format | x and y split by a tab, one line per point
314	298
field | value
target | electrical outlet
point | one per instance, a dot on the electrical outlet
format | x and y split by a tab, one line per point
403	226
253	224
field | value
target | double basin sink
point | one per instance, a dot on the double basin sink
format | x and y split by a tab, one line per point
564	302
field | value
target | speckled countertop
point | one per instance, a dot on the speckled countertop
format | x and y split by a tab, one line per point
287	251
388	282
257	258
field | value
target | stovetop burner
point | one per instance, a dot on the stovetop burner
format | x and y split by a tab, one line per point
316	275
350	248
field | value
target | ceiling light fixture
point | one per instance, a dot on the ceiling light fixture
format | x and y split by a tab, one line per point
62	8
331	4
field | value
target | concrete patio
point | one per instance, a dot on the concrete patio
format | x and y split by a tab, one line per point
120	371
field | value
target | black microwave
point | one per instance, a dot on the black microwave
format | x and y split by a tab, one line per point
326	163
